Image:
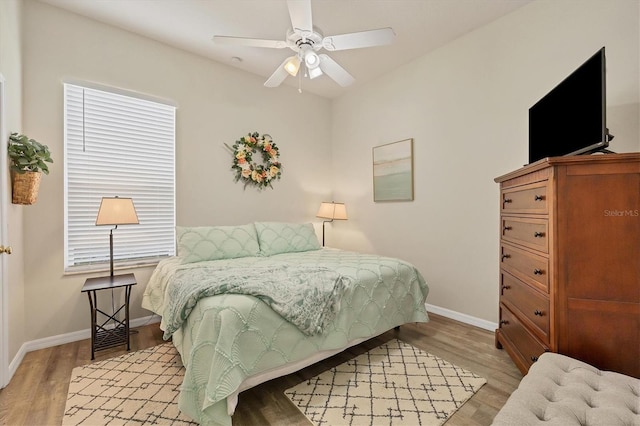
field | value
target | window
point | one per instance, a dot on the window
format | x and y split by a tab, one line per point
117	145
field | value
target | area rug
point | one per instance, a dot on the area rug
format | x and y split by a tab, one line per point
139	388
393	384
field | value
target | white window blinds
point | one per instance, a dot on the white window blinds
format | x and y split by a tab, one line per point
124	146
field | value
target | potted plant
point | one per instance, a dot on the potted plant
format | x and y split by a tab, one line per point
28	161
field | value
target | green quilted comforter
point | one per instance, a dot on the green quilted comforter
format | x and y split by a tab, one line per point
228	338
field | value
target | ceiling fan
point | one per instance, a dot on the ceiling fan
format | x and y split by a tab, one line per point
306	40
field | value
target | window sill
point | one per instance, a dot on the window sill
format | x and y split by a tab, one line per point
104	267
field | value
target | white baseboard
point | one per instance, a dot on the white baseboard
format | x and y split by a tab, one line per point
458	316
61	339
15	363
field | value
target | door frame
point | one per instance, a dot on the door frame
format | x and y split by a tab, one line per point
4	264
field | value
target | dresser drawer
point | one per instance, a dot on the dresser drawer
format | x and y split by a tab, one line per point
528	267
531	305
525	344
531	198
532	233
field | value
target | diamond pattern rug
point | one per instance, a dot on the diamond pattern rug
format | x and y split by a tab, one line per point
139	388
393	384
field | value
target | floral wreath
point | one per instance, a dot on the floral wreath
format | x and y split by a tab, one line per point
250	172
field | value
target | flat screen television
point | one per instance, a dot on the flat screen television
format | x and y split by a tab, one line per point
571	118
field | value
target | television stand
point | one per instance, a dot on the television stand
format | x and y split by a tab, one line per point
602	151
606	151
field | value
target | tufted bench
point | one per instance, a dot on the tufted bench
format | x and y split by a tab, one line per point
563	391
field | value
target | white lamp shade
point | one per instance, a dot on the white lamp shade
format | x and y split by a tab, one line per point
314	72
292	65
311	59
333	211
117	211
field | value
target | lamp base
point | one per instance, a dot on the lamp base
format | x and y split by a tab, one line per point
323	222
111	252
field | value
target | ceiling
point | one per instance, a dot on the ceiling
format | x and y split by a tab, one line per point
420	26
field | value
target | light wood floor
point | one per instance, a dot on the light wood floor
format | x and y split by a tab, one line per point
37	392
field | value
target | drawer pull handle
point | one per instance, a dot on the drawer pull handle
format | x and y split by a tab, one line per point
538	234
504	322
537	312
506	287
537	271
506	228
507	200
506	256
534	358
538	197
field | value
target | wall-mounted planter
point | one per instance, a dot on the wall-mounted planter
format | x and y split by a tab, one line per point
25	187
29	160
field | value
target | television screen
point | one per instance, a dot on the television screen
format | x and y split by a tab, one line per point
571	118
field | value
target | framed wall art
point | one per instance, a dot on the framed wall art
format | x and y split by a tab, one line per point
393	171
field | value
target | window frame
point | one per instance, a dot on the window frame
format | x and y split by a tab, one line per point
132	248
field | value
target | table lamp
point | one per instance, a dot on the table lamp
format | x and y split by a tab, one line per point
332	211
116	211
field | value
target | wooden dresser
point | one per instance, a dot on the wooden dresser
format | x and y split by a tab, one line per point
570	261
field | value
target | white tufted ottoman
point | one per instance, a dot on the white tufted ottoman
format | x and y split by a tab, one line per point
563	391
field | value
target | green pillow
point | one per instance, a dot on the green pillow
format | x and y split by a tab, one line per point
277	237
197	244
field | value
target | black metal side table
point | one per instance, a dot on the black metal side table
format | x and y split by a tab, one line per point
102	337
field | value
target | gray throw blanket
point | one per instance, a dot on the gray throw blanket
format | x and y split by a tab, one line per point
308	297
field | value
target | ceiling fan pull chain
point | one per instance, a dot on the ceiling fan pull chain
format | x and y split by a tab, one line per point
300	80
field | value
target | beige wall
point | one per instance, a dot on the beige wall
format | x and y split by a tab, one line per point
216	104
11	69
466	107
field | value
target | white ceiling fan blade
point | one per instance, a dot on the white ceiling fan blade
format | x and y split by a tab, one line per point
335	71
370	38
278	75
252	42
300	13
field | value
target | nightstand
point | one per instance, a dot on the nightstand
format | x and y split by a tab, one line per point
102	337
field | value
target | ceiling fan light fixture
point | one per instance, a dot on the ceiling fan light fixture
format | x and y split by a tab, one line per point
292	65
311	59
314	72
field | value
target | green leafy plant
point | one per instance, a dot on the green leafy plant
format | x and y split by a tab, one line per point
28	155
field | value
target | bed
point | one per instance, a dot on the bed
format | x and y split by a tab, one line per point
230	342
